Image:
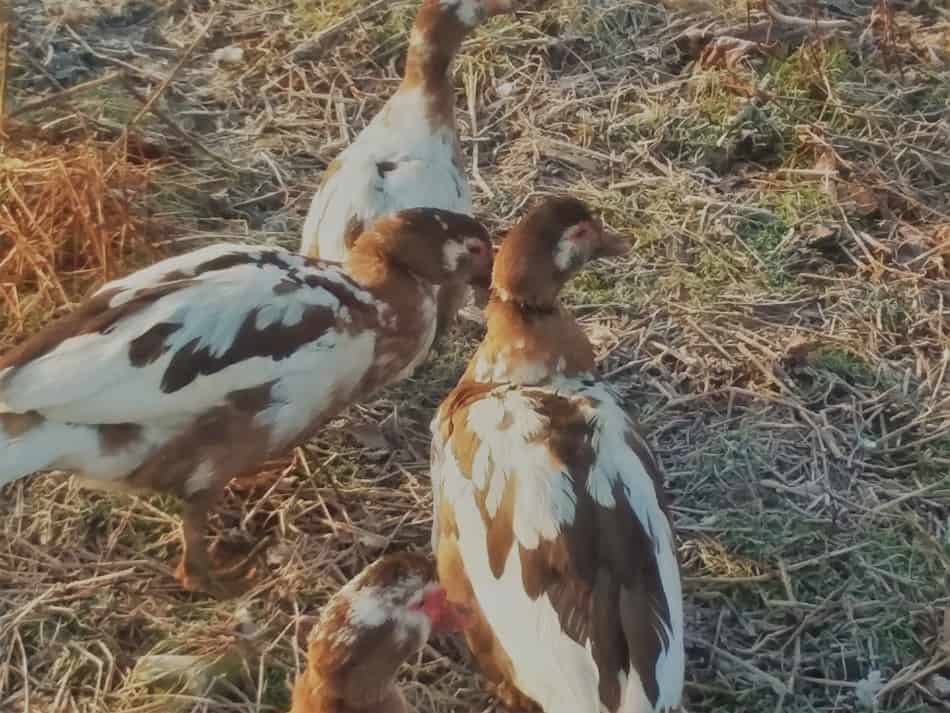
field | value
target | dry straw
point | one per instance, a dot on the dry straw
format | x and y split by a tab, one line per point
780	326
67	223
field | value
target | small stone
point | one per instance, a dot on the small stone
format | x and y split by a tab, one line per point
505	89
228	55
867	689
940	686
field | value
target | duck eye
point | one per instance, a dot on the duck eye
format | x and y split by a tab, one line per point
580	232
476	247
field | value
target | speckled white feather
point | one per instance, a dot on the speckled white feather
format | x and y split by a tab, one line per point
544	498
556	671
103	387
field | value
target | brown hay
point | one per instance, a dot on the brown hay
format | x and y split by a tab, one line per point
67	224
780	329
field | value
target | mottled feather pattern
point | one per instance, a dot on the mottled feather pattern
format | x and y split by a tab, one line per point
566	542
238	325
179	345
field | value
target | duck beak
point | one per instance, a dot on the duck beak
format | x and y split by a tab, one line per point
611	245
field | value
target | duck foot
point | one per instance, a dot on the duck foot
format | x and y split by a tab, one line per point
214	573
213	584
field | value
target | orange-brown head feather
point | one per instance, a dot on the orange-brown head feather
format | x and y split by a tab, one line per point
531	337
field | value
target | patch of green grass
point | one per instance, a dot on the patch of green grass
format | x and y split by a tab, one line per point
752	261
109	103
800	203
98	516
755	523
689	130
394	25
593	286
768	535
797	73
932	466
894	307
618	284
698	126
317	15
764	240
843	363
388	27
895	551
275	693
802	81
931	98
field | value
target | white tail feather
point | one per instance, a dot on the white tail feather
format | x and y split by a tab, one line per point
40	447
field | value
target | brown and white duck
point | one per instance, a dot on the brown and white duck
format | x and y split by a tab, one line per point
550	520
409	155
375	623
201	367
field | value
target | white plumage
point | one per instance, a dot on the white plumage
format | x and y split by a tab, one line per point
89	378
513	434
399	161
409	155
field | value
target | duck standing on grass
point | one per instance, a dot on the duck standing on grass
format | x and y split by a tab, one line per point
367	631
409	155
550	520
200	368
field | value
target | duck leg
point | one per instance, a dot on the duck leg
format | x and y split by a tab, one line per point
195	572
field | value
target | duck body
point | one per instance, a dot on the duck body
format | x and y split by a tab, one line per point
409	155
551	526
550	521
200	368
277	341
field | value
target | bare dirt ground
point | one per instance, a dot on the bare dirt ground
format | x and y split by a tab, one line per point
781	327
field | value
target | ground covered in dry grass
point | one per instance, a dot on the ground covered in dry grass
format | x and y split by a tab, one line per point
781	326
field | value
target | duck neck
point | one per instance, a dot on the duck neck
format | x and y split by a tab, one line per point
530	343
406	321
435	39
373	265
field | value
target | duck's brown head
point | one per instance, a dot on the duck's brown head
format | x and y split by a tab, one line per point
556	238
384	615
401	589
466	13
435	245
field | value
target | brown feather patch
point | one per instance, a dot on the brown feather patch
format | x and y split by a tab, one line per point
16	424
115	437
